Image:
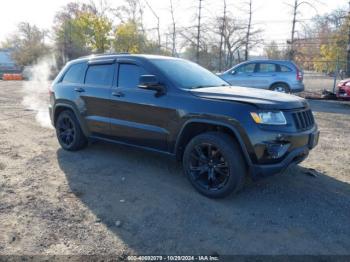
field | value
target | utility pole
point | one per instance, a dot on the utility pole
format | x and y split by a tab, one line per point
337	70
222	36
348	47
246	54
291	54
199	30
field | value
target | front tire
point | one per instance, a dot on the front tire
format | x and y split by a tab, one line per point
68	131
214	164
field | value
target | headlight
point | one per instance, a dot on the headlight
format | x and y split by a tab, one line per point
269	118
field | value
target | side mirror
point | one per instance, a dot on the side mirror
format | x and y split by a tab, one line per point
233	72
150	82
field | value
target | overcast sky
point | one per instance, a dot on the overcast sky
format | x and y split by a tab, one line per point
272	16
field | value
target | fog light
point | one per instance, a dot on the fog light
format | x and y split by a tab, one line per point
276	150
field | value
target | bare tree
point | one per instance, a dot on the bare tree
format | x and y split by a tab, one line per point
194	36
296	7
158	22
128	11
234	38
189	36
246	51
273	51
198	30
100	9
222	29
141	12
173	49
291	53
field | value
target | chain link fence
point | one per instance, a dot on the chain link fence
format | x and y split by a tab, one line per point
332	73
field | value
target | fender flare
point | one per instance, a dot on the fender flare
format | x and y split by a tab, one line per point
76	113
236	133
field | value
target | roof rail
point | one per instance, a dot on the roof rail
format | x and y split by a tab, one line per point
104	54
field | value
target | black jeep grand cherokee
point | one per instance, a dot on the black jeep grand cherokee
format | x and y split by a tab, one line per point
222	134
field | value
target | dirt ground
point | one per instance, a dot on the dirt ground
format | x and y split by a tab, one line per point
110	199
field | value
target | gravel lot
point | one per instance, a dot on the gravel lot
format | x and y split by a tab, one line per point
110	199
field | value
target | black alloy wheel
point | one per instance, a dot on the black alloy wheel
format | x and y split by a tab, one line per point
68	131
214	164
208	167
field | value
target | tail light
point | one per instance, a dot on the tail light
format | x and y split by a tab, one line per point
299	75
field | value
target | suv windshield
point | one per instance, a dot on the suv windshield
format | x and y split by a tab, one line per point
188	75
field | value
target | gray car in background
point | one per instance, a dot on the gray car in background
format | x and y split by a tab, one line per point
278	75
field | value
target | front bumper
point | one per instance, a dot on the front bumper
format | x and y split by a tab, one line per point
343	92
294	157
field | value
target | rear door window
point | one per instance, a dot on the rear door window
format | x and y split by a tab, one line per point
248	68
129	74
267	68
100	75
75	74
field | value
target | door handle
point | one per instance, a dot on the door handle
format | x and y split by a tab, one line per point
79	89
118	94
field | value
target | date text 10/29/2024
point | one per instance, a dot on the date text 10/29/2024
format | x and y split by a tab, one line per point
173	258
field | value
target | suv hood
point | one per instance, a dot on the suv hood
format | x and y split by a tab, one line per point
264	99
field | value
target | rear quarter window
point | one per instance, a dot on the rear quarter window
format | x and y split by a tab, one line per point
75	74
285	68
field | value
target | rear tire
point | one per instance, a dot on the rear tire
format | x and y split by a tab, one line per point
68	131
214	164
280	87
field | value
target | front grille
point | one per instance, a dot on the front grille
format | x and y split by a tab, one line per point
303	119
